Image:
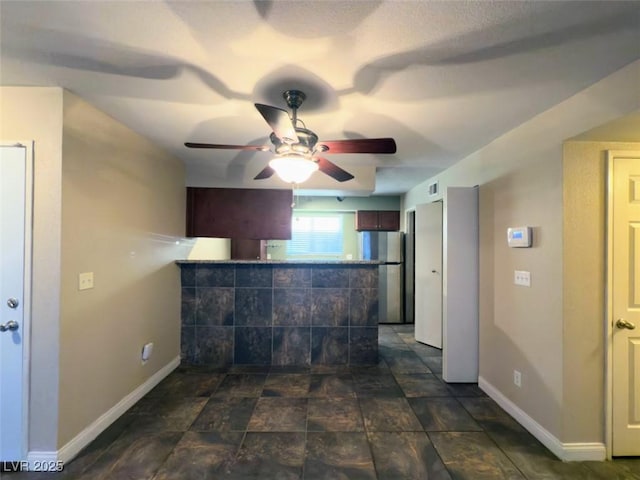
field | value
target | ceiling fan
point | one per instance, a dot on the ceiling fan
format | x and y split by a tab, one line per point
298	148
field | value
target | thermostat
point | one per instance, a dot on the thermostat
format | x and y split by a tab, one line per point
519	237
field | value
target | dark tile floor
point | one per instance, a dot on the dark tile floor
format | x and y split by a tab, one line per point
397	420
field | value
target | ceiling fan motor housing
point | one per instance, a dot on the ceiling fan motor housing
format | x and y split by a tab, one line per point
305	146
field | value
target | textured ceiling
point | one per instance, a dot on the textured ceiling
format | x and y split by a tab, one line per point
442	78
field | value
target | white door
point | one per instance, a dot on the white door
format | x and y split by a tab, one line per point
428	286
12	309
626	304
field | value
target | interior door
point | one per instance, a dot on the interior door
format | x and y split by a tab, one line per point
12	235
428	274
626	304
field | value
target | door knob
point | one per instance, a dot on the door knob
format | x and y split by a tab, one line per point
10	325
621	323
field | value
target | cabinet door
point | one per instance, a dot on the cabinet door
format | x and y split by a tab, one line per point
382	220
389	221
239	213
366	220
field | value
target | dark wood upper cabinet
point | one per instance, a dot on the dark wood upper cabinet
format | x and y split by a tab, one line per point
389	220
380	220
366	220
259	214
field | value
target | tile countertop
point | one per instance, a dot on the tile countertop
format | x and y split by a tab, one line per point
281	262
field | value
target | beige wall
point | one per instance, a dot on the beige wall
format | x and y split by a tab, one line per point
347	204
521	183
123	210
107	201
521	328
210	249
584	282
35	114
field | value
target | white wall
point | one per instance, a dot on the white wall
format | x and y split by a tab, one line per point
521	183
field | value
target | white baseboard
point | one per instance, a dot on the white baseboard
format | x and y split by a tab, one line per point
568	452
85	437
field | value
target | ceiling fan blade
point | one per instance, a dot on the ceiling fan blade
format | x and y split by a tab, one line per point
334	171
266	172
359	145
259	148
279	121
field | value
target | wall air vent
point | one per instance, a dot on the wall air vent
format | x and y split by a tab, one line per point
433	189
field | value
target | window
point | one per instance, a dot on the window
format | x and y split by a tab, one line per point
316	235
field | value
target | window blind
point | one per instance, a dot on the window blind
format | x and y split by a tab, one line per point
316	235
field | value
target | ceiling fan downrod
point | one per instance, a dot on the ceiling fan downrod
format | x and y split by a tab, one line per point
294	99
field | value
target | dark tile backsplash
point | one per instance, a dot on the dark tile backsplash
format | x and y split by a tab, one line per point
360	277
254	306
329	345
291	346
215	276
188	275
329	276
363	307
188	306
279	315
364	343
292	307
213	346
330	307
253	345
188	344
214	306
253	276
296	276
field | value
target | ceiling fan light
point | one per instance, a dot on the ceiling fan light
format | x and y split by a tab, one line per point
293	169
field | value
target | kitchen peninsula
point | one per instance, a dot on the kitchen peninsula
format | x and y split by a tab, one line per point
269	312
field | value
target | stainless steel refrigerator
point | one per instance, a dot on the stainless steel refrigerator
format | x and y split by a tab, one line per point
386	247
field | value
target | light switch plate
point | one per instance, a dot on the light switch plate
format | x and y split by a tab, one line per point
85	281
146	351
517	378
522	278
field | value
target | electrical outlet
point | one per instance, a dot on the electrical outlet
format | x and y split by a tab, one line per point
522	278
517	378
85	281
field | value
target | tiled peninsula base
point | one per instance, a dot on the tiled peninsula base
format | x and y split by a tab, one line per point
267	313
